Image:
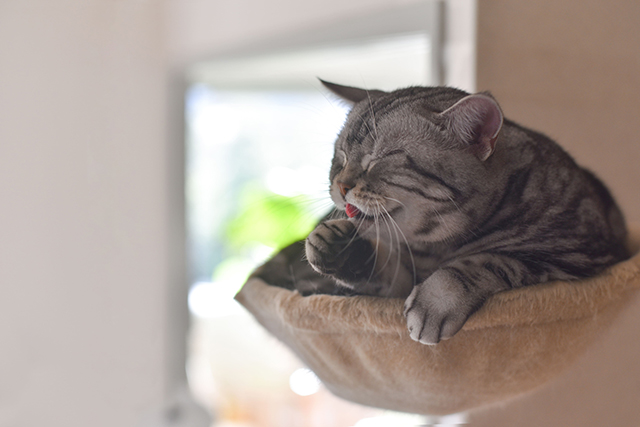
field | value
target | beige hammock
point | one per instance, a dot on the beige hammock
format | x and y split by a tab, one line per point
360	348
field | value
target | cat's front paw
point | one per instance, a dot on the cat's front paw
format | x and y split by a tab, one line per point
438	308
326	245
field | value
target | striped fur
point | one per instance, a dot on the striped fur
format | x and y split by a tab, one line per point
456	204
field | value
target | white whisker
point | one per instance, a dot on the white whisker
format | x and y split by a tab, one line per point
398	256
390	237
355	234
413	264
375	259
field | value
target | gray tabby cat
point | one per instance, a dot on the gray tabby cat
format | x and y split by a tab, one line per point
448	203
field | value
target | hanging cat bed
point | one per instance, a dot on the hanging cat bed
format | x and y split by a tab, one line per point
360	348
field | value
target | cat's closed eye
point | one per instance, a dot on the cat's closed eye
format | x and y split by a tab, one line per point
368	161
393	152
341	156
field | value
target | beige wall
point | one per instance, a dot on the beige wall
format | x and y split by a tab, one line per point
571	69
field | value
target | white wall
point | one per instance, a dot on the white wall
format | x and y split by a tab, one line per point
83	223
200	28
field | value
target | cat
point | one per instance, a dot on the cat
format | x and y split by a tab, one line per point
447	203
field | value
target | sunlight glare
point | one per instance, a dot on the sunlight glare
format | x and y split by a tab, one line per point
304	382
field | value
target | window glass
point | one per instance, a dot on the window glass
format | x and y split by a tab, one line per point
260	133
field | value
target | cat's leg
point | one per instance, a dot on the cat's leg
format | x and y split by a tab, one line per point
439	306
335	249
287	269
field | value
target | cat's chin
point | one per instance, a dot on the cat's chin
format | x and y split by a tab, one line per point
362	221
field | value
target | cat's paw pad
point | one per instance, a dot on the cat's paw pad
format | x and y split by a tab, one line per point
436	310
327	243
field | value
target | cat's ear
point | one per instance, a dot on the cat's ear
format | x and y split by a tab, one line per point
476	120
350	93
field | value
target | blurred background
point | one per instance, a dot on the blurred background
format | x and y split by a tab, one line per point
141	141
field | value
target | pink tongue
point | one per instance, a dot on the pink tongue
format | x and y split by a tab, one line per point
352	210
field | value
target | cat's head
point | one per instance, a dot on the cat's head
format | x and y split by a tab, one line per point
413	158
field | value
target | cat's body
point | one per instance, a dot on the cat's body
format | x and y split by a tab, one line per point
449	204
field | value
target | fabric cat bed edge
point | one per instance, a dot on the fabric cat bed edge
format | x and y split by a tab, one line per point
513	345
531	305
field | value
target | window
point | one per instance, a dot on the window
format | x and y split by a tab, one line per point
260	132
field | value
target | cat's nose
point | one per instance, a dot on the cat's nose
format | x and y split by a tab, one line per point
344	188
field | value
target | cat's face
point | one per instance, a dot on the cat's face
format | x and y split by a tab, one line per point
401	171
